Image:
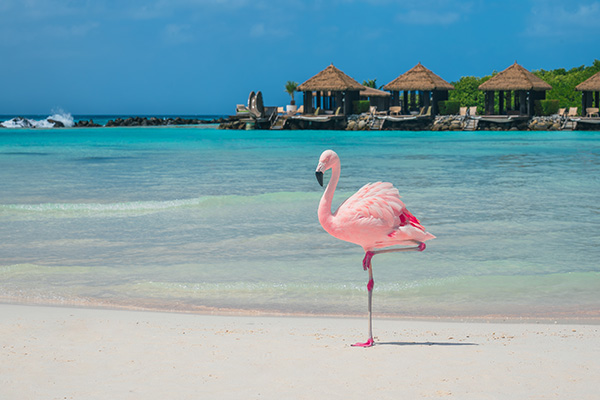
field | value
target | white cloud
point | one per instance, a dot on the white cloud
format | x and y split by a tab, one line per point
555	20
177	33
79	30
258	30
428	17
432	12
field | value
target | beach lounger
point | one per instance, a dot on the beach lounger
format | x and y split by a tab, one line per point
463	111
562	112
473	110
572	112
425	112
396	110
592	111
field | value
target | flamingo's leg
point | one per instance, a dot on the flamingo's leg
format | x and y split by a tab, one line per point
370	285
367	266
367	260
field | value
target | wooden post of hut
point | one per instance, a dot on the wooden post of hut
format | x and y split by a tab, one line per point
524	109
308	102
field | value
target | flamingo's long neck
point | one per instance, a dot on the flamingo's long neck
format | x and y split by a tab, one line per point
325	214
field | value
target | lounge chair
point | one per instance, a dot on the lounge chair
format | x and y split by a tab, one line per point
572	112
425	112
473	110
463	111
561	112
592	111
396	110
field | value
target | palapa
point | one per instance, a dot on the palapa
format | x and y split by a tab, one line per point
418	78
330	79
515	77
372	92
592	84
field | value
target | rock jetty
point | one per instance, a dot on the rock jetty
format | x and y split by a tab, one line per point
154	121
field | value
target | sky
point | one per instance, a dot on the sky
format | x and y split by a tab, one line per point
190	57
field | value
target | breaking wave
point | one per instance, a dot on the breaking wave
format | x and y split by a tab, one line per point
58	119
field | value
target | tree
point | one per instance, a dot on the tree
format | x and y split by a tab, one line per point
290	88
372	83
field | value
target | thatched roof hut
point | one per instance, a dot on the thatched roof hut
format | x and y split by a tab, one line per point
592	84
515	77
376	97
432	88
339	88
330	79
372	92
418	78
527	87
590	96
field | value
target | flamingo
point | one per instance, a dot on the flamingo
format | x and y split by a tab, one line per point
374	218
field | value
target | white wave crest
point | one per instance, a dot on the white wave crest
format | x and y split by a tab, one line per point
58	118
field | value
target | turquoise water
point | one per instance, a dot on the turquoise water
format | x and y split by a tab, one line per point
193	218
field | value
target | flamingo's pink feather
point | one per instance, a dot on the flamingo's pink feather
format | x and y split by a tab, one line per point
376	217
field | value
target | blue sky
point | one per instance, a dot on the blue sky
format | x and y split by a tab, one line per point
204	56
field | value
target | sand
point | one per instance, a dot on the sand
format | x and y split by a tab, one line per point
77	353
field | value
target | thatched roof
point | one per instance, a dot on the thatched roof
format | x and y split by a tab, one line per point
418	78
592	84
330	79
515	77
372	92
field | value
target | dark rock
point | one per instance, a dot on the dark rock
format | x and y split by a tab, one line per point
57	124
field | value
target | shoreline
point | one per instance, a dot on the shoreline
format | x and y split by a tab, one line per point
355	122
85	353
558	319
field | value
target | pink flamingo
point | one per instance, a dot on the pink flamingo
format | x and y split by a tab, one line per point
374	218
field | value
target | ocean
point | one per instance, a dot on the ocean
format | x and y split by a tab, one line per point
197	219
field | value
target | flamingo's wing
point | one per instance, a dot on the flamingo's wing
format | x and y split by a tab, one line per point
378	204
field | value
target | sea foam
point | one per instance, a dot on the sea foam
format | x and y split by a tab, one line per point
66	119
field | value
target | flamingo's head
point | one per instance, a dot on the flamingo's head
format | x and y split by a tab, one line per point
327	160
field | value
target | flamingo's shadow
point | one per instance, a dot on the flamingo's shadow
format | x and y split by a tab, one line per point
423	344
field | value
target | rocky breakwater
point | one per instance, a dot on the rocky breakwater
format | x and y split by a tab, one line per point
449	123
154	121
359	122
86	124
551	123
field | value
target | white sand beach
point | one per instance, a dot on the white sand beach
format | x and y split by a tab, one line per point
77	353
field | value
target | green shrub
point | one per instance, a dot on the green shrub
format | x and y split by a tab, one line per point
546	107
360	106
449	107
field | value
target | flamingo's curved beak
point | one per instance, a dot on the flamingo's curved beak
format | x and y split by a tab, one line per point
319	175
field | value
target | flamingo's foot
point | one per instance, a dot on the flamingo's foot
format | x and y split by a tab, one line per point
368	343
421	246
367	260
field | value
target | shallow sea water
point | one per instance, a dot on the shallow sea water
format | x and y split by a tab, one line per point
194	218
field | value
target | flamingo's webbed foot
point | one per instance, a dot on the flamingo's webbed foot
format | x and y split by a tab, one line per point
367	260
368	343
